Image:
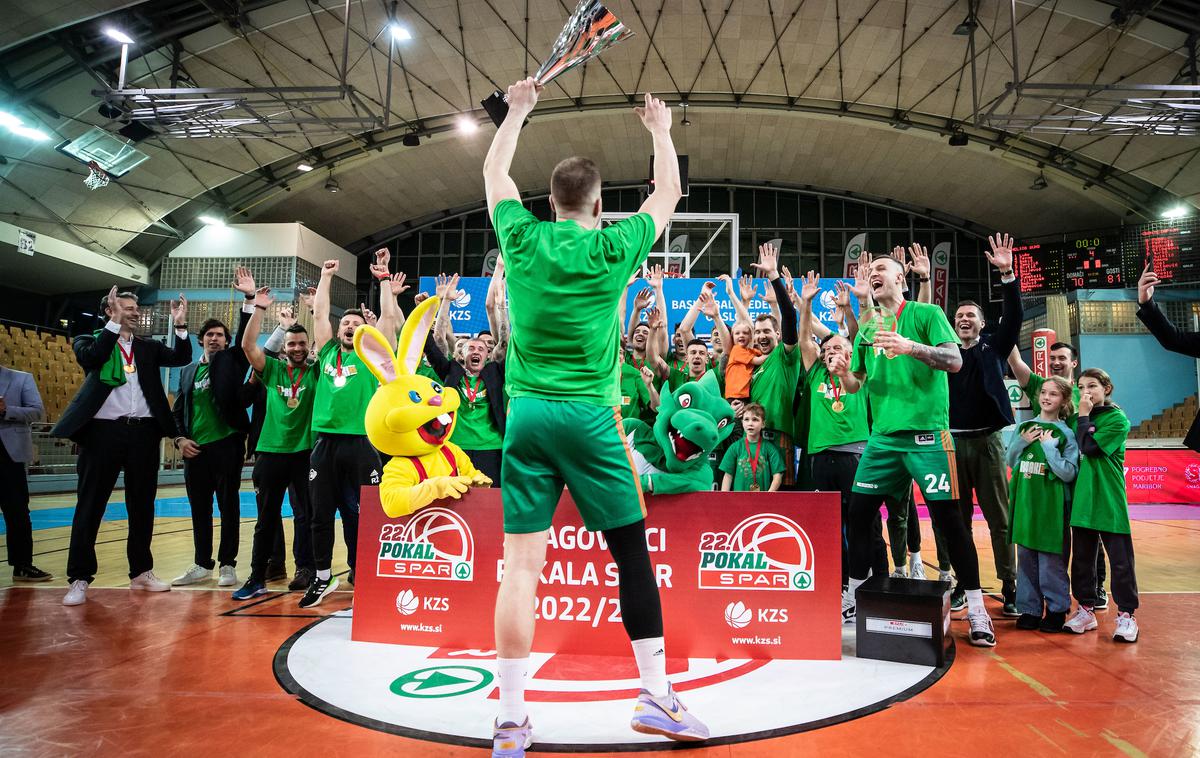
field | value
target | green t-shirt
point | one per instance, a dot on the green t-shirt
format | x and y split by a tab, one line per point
1035	386
475	429
207	424
635	398
773	385
342	395
426	369
286	429
737	463
828	428
678	375
1037	497
564	283
1099	501
904	393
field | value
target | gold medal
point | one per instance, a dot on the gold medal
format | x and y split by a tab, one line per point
130	368
293	402
754	487
888	354
838	406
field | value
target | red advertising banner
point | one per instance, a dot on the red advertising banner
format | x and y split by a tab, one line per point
741	575
1042	340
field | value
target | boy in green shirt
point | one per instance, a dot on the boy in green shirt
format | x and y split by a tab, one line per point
564	426
749	465
902	358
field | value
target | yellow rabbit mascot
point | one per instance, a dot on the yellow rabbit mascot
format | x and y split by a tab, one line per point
411	418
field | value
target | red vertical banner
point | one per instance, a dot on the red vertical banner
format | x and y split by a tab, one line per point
741	575
1042	340
939	263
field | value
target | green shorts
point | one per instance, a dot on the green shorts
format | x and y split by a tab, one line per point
549	443
892	461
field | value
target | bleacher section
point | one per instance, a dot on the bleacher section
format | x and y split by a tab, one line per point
48	356
1172	423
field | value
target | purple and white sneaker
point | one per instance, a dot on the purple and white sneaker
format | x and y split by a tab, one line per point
666	716
510	740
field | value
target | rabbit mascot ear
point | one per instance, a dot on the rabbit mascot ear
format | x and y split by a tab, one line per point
375	351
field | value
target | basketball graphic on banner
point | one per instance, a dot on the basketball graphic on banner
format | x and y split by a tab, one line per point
446	531
737	615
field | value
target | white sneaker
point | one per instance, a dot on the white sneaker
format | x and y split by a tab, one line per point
916	568
849	610
982	633
946	576
1083	621
899	573
77	594
193	575
1127	629
228	577
149	582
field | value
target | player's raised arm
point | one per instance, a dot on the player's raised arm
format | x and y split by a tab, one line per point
660	204
498	185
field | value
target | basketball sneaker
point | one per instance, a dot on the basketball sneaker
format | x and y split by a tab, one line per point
510	740
1127	628
228	576
276	572
849	609
1083	621
982	633
251	589
1101	600
301	580
899	573
318	591
193	575
77	594
30	573
149	582
916	568
958	600
666	716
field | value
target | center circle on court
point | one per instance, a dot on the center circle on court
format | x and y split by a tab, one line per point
578	702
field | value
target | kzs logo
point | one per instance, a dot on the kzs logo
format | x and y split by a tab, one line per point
407	603
738	615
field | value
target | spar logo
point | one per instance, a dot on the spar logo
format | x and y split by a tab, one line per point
1191	473
435	544
765	551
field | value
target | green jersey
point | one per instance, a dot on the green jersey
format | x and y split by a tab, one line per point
475	429
1099	501
635	398
829	427
345	387
773	385
752	465
1035	386
425	369
904	393
564	283
207	424
287	425
678	373
1036	495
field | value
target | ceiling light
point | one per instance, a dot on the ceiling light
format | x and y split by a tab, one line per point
211	220
966	27
467	125
36	135
303	167
411	140
118	36
331	185
1179	211
1039	183
399	32
9	120
958	138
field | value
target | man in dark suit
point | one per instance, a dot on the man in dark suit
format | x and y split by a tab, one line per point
20	406
1168	335
117	418
213	423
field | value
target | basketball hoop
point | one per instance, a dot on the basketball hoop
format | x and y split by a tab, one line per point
96	177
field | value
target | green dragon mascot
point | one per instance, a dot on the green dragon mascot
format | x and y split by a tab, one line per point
672	456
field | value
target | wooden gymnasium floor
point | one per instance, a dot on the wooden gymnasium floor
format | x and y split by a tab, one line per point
168	674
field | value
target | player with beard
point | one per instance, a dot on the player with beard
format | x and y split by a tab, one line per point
342	459
904	367
773	384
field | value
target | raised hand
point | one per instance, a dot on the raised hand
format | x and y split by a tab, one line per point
420	297
243	281
842	298
383	257
179	310
769	294
918	260
452	291
287	318
114	303
810	286
1146	284
898	254
642	300
655	319
368	314
655	114
862	278
329	268
647	376
397	285
1001	256
263	299
306	297
655	275
523	96
768	261
441	283
839	365
708	304
746	288
378	272
788	279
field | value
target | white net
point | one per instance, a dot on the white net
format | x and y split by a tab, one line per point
96	177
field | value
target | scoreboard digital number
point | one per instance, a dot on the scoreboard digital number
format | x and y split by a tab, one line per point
1093	262
1169	247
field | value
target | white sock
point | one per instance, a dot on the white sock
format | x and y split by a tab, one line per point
854	585
651	656
914	558
512	672
324	574
975	602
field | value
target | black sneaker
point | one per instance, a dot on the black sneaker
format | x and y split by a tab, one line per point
1053	622
958	600
318	590
1028	621
1009	593
275	572
351	578
1101	600
302	579
30	574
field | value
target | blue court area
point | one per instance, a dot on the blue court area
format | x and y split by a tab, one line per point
167	507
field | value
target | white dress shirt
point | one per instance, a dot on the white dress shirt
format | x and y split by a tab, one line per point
127	400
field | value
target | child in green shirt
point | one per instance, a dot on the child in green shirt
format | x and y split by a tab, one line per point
749	465
1044	458
1099	510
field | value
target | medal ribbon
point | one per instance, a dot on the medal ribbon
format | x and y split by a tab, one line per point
837	389
471	388
297	380
339	364
754	460
128	357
